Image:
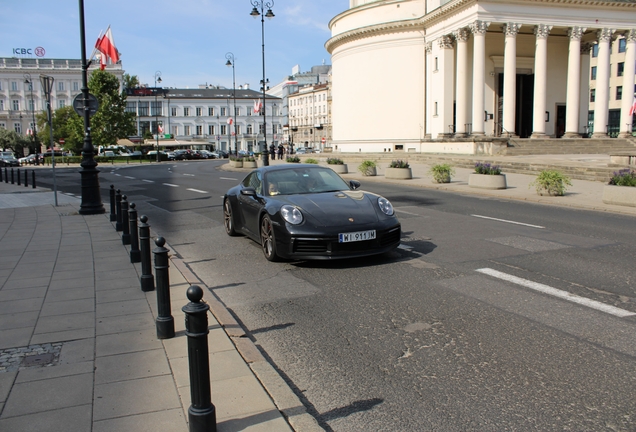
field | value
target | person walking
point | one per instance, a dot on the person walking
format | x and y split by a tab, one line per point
280	151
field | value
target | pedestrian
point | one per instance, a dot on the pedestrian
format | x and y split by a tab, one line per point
272	151
280	151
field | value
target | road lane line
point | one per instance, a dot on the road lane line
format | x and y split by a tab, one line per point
508	221
557	293
228	178
197	190
149	181
128	177
191	175
170	184
405	212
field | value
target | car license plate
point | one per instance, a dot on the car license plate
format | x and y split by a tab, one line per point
356	236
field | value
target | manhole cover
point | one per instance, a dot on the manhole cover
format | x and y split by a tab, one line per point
38	360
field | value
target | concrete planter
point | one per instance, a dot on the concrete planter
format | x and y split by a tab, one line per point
236	163
370	172
487	181
339	169
398	173
249	164
620	195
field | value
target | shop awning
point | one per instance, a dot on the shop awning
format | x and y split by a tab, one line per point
126	142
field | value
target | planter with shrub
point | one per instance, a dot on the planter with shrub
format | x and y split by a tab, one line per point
293	159
442	173
487	176
399	170
236	162
368	168
311	161
337	165
621	189
249	162
551	182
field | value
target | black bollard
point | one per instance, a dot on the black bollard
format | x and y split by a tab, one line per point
118	226
135	253
0	175
26	178
113	215
6	178
19	182
201	414
165	321
125	237
12	181
33	178
146	279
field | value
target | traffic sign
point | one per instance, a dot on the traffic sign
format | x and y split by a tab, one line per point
78	104
324	140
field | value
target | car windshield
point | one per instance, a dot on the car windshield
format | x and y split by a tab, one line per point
303	181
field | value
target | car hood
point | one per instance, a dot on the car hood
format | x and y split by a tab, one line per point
337	208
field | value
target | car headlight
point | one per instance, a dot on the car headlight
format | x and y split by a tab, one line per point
385	206
291	214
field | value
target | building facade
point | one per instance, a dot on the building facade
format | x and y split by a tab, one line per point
210	118
310	116
436	76
21	94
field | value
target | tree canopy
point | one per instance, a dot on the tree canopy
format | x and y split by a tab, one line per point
10	139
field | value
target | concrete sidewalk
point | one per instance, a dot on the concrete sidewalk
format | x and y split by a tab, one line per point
78	345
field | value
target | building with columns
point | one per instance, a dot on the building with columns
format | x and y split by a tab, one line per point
310	116
444	75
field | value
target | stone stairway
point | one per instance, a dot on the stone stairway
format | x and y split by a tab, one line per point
519	146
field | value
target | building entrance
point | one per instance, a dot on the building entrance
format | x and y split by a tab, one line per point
524	107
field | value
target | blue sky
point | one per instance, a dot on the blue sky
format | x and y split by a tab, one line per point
186	39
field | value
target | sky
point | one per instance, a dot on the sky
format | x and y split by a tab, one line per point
186	40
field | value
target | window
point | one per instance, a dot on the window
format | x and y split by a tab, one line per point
1	104
186	130
223	111
238	129
199	113
223	129
436	68
61	103
199	128
620	69
593	75
14	86
0	85
260	128
28	86
31	105
174	130
210	129
173	111
143	109
60	86
17	127
3	126
15	105
250	129
622	44
237	111
75	85
186	112
156	108
592	95
435	109
619	92
131	107
595	50
210	111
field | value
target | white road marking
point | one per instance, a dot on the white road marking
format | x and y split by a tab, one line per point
149	181
191	175
118	175
405	247
171	185
197	190
508	221
128	177
228	178
405	212
557	293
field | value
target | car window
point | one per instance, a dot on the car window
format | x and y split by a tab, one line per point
305	180
254	180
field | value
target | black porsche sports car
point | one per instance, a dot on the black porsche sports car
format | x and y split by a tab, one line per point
305	211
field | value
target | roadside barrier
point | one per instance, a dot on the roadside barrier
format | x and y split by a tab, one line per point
201	413
165	321
26	178
19	184
147	280
12	182
125	237
33	178
118	223
113	215
135	253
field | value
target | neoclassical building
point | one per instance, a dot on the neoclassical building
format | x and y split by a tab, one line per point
439	76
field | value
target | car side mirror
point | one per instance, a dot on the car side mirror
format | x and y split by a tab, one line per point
249	191
355	184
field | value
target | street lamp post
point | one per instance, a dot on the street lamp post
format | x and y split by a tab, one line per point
27	80
230	62
261	4
157	80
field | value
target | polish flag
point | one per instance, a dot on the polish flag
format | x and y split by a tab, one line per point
160	129
230	120
106	45
257	106
102	61
632	109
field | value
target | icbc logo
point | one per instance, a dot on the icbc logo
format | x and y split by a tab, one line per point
39	51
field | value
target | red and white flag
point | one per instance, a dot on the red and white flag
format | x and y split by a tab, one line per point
230	120
257	106
160	129
106	45
632	109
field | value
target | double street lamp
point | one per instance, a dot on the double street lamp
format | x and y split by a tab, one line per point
27	80
157	80
230	62
255	13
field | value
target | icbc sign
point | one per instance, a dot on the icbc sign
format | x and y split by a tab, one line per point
38	51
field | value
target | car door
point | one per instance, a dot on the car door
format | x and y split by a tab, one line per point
249	206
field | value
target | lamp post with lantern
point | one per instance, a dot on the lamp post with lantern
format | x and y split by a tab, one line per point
230	62
28	80
157	80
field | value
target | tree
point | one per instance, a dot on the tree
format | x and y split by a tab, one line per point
66	124
14	141
130	81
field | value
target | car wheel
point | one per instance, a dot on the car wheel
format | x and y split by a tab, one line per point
267	239
228	219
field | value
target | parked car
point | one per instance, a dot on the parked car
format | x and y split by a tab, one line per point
206	154
306	211
183	154
220	154
7	159
29	160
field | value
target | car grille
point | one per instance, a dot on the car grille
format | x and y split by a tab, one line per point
331	246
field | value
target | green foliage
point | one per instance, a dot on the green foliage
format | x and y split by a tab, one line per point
293	159
10	139
249	159
312	161
624	177
551	182
486	168
335	161
399	164
235	158
367	167
442	173
66	124
147	135
130	81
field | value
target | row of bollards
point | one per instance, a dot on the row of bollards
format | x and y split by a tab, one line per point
12	178
201	413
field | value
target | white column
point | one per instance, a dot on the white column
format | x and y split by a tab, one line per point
628	84
541	32
601	103
573	83
510	77
584	88
429	95
461	84
444	86
478	28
